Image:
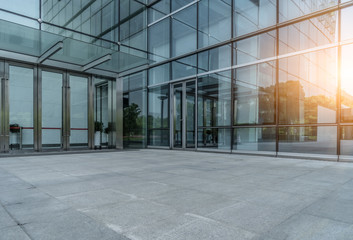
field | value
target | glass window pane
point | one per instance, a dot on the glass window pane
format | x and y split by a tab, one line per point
252	15
255	139
254	94
347	140
289	9
21	107
159	41
311	140
308	88
214	100
159	74
158	10
214	59
214	139
158	116
28	8
51	109
256	48
184	31
135	119
309	33
79	111
184	67
214	22
347	84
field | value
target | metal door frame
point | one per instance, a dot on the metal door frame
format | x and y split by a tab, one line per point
184	114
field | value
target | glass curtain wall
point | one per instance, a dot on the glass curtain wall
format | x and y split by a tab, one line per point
273	89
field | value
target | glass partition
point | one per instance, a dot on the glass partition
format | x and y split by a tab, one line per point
51	109
21	107
158	116
79	111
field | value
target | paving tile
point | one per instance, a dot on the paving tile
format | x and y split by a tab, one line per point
94	198
22	195
308	227
252	217
332	208
208	230
13	233
70	224
131	214
5	219
155	229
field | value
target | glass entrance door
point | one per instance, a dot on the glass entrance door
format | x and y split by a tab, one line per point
183	120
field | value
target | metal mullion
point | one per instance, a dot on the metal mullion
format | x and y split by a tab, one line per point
171	115
277	81
2	78
183	109
90	112
339	86
5	107
37	109
119	113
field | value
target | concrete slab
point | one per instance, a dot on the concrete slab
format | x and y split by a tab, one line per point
158	194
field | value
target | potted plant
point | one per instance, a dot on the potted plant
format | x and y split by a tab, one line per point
109	129
98	128
15	130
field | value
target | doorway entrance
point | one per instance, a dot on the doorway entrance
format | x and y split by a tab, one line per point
183	121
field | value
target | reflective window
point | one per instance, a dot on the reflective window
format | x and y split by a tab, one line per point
135	119
214	139
176	4
216	58
21	107
159	74
51	109
18	19
184	67
159	40
346	23
79	111
347	140
214	22
184	31
255	139
158	10
311	140
214	100
251	15
308	88
28	8
254	94
309	33
289	9
158	116
256	48
347	84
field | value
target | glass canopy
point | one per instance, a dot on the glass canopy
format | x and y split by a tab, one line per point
15	38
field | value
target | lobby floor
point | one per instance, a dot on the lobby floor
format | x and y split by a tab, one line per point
169	195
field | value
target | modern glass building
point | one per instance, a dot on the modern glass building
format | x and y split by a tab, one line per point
271	77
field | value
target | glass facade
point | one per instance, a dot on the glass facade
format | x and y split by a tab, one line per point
243	76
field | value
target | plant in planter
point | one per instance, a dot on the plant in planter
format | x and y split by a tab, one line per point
15	130
98	128
109	129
